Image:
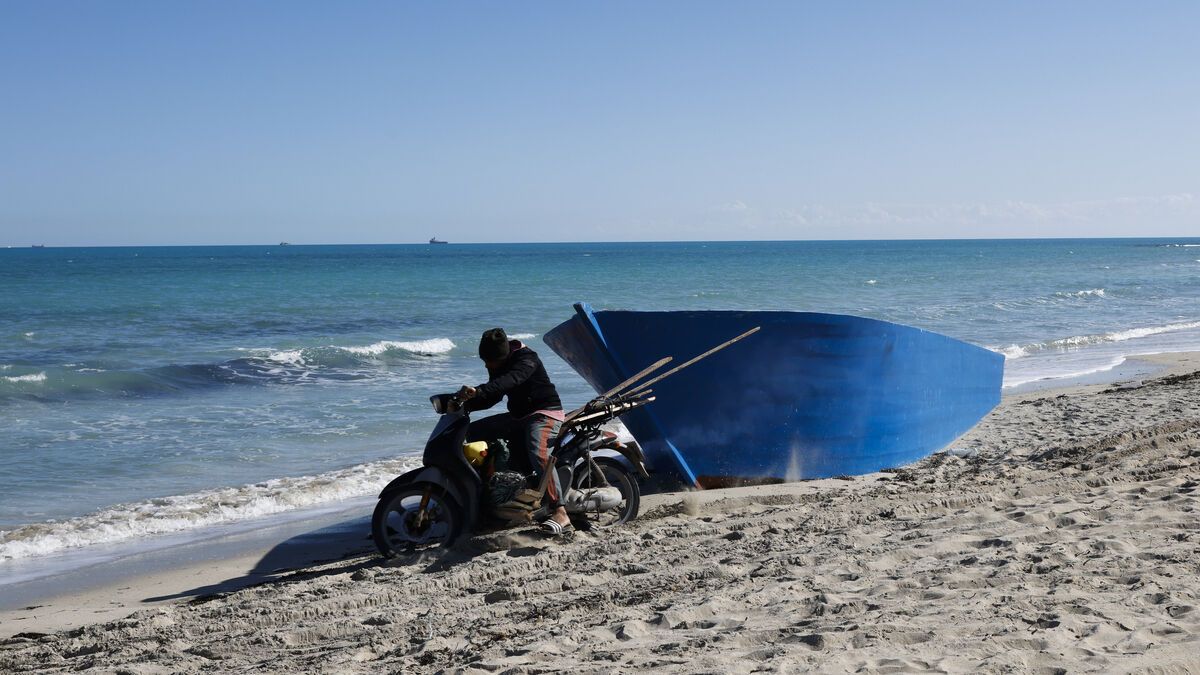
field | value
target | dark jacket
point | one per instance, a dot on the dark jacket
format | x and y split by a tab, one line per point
523	379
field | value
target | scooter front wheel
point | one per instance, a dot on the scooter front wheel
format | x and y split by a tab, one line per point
400	525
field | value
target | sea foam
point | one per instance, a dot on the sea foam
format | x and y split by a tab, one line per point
1067	343
167	515
1015	380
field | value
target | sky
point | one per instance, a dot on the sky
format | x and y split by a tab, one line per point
158	123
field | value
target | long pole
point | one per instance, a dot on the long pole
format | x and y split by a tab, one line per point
689	362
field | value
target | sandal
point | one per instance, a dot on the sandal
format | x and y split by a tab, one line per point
554	529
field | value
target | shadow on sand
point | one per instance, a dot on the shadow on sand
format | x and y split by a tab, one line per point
346	548
348	542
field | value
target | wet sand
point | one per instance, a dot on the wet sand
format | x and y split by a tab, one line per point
1060	534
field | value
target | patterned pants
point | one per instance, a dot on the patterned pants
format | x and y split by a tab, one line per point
533	433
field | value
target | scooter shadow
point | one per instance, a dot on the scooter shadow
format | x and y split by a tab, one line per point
295	558
513	542
346	547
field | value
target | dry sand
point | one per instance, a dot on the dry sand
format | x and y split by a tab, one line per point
1062	534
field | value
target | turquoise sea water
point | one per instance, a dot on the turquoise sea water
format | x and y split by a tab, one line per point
155	390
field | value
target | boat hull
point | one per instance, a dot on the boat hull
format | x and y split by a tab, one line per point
809	396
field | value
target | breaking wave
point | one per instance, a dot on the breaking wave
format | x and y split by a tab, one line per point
32	377
1074	342
168	515
340	355
424	347
259	366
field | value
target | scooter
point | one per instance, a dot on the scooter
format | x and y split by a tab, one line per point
435	504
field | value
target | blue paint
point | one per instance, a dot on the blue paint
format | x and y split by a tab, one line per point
809	396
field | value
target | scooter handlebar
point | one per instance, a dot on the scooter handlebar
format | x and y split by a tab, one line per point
446	403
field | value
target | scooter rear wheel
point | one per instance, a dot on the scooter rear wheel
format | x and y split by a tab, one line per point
631	496
394	527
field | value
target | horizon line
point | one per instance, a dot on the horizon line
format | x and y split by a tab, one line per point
638	241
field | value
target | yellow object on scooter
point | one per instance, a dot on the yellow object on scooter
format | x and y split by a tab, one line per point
475	452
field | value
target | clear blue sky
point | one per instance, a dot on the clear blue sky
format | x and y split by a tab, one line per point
254	122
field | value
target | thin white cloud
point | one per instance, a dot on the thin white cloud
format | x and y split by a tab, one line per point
1120	216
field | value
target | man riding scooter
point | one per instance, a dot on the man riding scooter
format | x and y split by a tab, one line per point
534	414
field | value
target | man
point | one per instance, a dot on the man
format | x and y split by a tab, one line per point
534	410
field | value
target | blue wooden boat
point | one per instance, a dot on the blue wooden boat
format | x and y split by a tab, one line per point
808	396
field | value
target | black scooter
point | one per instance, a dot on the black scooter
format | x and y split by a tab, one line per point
437	503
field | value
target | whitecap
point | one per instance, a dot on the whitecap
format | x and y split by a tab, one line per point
523	336
872	281
313	355
35	377
1093	292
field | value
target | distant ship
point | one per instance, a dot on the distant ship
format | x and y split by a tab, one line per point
435	240
39	246
284	243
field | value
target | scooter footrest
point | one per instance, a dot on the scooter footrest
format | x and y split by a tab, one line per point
514	514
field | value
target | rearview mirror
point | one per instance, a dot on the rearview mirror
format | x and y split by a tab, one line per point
441	403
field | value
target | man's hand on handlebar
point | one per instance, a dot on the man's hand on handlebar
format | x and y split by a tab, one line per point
466	393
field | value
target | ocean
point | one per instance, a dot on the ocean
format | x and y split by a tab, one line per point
147	392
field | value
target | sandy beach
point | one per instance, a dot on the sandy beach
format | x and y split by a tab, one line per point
1061	534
